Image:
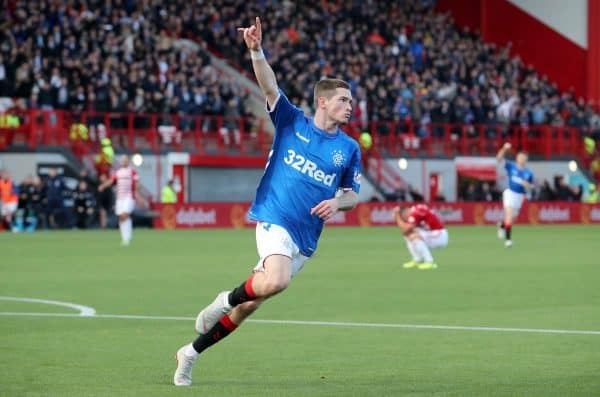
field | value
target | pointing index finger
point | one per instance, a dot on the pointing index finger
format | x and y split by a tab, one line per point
258	24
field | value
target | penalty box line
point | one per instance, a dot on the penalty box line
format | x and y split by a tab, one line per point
319	323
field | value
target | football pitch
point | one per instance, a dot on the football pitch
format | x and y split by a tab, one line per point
489	321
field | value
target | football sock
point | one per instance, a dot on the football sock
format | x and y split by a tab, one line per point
122	230
127	230
243	293
508	229
413	251
220	330
423	250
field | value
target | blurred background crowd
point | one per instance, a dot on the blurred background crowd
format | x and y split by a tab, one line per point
403	61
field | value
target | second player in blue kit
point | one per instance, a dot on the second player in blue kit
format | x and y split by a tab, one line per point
520	179
313	171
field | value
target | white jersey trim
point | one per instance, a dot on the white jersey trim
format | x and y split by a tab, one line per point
272	108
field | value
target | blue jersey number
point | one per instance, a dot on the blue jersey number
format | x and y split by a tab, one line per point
266	226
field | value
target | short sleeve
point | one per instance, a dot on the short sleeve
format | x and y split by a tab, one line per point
509	165
283	113
352	174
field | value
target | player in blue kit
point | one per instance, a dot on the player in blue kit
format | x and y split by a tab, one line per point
310	161
520	178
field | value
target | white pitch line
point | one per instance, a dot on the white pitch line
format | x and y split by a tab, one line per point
325	323
84	311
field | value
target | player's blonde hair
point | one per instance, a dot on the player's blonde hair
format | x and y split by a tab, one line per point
326	88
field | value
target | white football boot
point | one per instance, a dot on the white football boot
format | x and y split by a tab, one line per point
185	364
508	243
212	313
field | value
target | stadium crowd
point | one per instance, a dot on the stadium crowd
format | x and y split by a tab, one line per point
404	61
107	57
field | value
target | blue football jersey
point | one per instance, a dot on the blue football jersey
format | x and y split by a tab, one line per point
516	176
306	165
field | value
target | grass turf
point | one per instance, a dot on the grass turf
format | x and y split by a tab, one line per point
549	280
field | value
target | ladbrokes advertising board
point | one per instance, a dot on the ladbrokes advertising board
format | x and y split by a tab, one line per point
234	215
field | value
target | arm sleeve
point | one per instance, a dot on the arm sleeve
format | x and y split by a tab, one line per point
352	174
283	113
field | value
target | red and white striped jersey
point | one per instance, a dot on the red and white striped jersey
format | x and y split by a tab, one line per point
126	180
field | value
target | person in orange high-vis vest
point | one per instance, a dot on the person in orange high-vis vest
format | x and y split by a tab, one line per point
9	197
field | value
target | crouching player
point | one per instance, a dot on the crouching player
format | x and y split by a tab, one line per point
422	230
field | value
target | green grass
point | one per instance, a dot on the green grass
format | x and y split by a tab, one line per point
549	280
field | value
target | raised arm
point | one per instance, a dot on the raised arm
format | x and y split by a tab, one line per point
505	148
262	70
405	227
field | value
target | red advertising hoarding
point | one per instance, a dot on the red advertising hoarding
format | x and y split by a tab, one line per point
224	215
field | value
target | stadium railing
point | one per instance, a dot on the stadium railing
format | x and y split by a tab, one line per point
247	136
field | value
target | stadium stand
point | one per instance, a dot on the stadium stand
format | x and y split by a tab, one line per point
421	86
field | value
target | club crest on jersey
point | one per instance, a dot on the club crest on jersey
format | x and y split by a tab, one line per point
338	158
308	168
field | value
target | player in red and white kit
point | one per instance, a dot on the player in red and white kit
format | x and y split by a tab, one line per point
126	179
422	230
